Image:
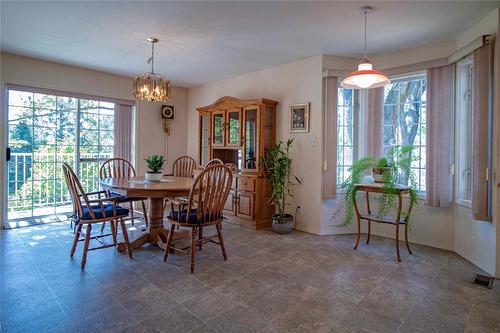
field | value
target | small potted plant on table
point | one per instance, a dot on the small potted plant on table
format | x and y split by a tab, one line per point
155	164
390	171
277	165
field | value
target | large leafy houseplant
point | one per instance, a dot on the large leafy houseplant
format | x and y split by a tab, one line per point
394	169
278	166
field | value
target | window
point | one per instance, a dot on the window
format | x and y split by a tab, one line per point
404	120
96	139
463	135
45	131
346	105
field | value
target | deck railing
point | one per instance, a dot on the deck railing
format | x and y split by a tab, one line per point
36	183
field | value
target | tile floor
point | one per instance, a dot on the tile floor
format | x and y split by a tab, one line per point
270	283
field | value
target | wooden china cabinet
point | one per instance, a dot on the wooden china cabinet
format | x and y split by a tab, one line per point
238	132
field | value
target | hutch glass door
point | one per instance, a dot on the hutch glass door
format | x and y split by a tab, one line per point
204	139
250	131
234	128
218	129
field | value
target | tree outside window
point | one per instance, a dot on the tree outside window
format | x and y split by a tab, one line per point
404	120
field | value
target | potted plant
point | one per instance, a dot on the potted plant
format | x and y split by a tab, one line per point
154	164
277	165
381	169
391	170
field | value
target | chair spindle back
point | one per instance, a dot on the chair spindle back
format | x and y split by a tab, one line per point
116	168
184	167
76	191
214	161
211	189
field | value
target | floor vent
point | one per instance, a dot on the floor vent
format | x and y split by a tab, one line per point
483	280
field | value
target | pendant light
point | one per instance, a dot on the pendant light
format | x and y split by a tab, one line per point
365	77
152	87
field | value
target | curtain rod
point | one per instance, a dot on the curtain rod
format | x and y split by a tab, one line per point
39	90
469	48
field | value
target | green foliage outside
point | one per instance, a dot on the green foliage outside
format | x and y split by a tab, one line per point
42	135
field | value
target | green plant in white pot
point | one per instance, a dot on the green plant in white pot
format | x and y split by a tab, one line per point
278	165
155	165
390	171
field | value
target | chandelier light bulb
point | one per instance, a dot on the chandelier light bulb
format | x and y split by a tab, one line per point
150	86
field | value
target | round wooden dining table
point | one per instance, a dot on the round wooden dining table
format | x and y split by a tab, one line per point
156	192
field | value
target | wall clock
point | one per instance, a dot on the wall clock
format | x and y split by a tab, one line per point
167	111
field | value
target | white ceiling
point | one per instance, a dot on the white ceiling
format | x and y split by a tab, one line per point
205	41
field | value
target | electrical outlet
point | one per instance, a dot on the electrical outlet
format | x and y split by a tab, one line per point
299	210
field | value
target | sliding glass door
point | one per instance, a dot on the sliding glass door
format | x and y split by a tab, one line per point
45	131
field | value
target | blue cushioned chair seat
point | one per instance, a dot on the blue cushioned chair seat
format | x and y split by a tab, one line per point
192	218
108	211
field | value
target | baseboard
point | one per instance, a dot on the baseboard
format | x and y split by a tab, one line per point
477	263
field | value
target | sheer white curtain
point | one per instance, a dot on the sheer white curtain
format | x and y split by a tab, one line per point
123	132
440	101
374	121
440	83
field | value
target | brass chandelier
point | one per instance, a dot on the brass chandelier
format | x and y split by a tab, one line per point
152	87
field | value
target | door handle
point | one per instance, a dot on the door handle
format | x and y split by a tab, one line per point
8	155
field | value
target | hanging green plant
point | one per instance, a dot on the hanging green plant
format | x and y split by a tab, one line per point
391	170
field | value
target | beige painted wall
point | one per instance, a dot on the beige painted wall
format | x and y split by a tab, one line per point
487	25
295	82
414	55
150	137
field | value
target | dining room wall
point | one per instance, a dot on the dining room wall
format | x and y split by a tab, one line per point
294	82
149	137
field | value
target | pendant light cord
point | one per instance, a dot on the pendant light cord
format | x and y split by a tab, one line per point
153	55
365	35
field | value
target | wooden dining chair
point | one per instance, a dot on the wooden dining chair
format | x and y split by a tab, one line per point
183	167
92	211
211	189
118	168
213	161
181	202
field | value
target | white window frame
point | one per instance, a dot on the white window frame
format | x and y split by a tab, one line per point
78	127
355	133
463	67
406	76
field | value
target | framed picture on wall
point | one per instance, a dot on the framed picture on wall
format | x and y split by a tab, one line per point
299	117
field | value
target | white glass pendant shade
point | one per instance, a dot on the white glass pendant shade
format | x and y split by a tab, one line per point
365	77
